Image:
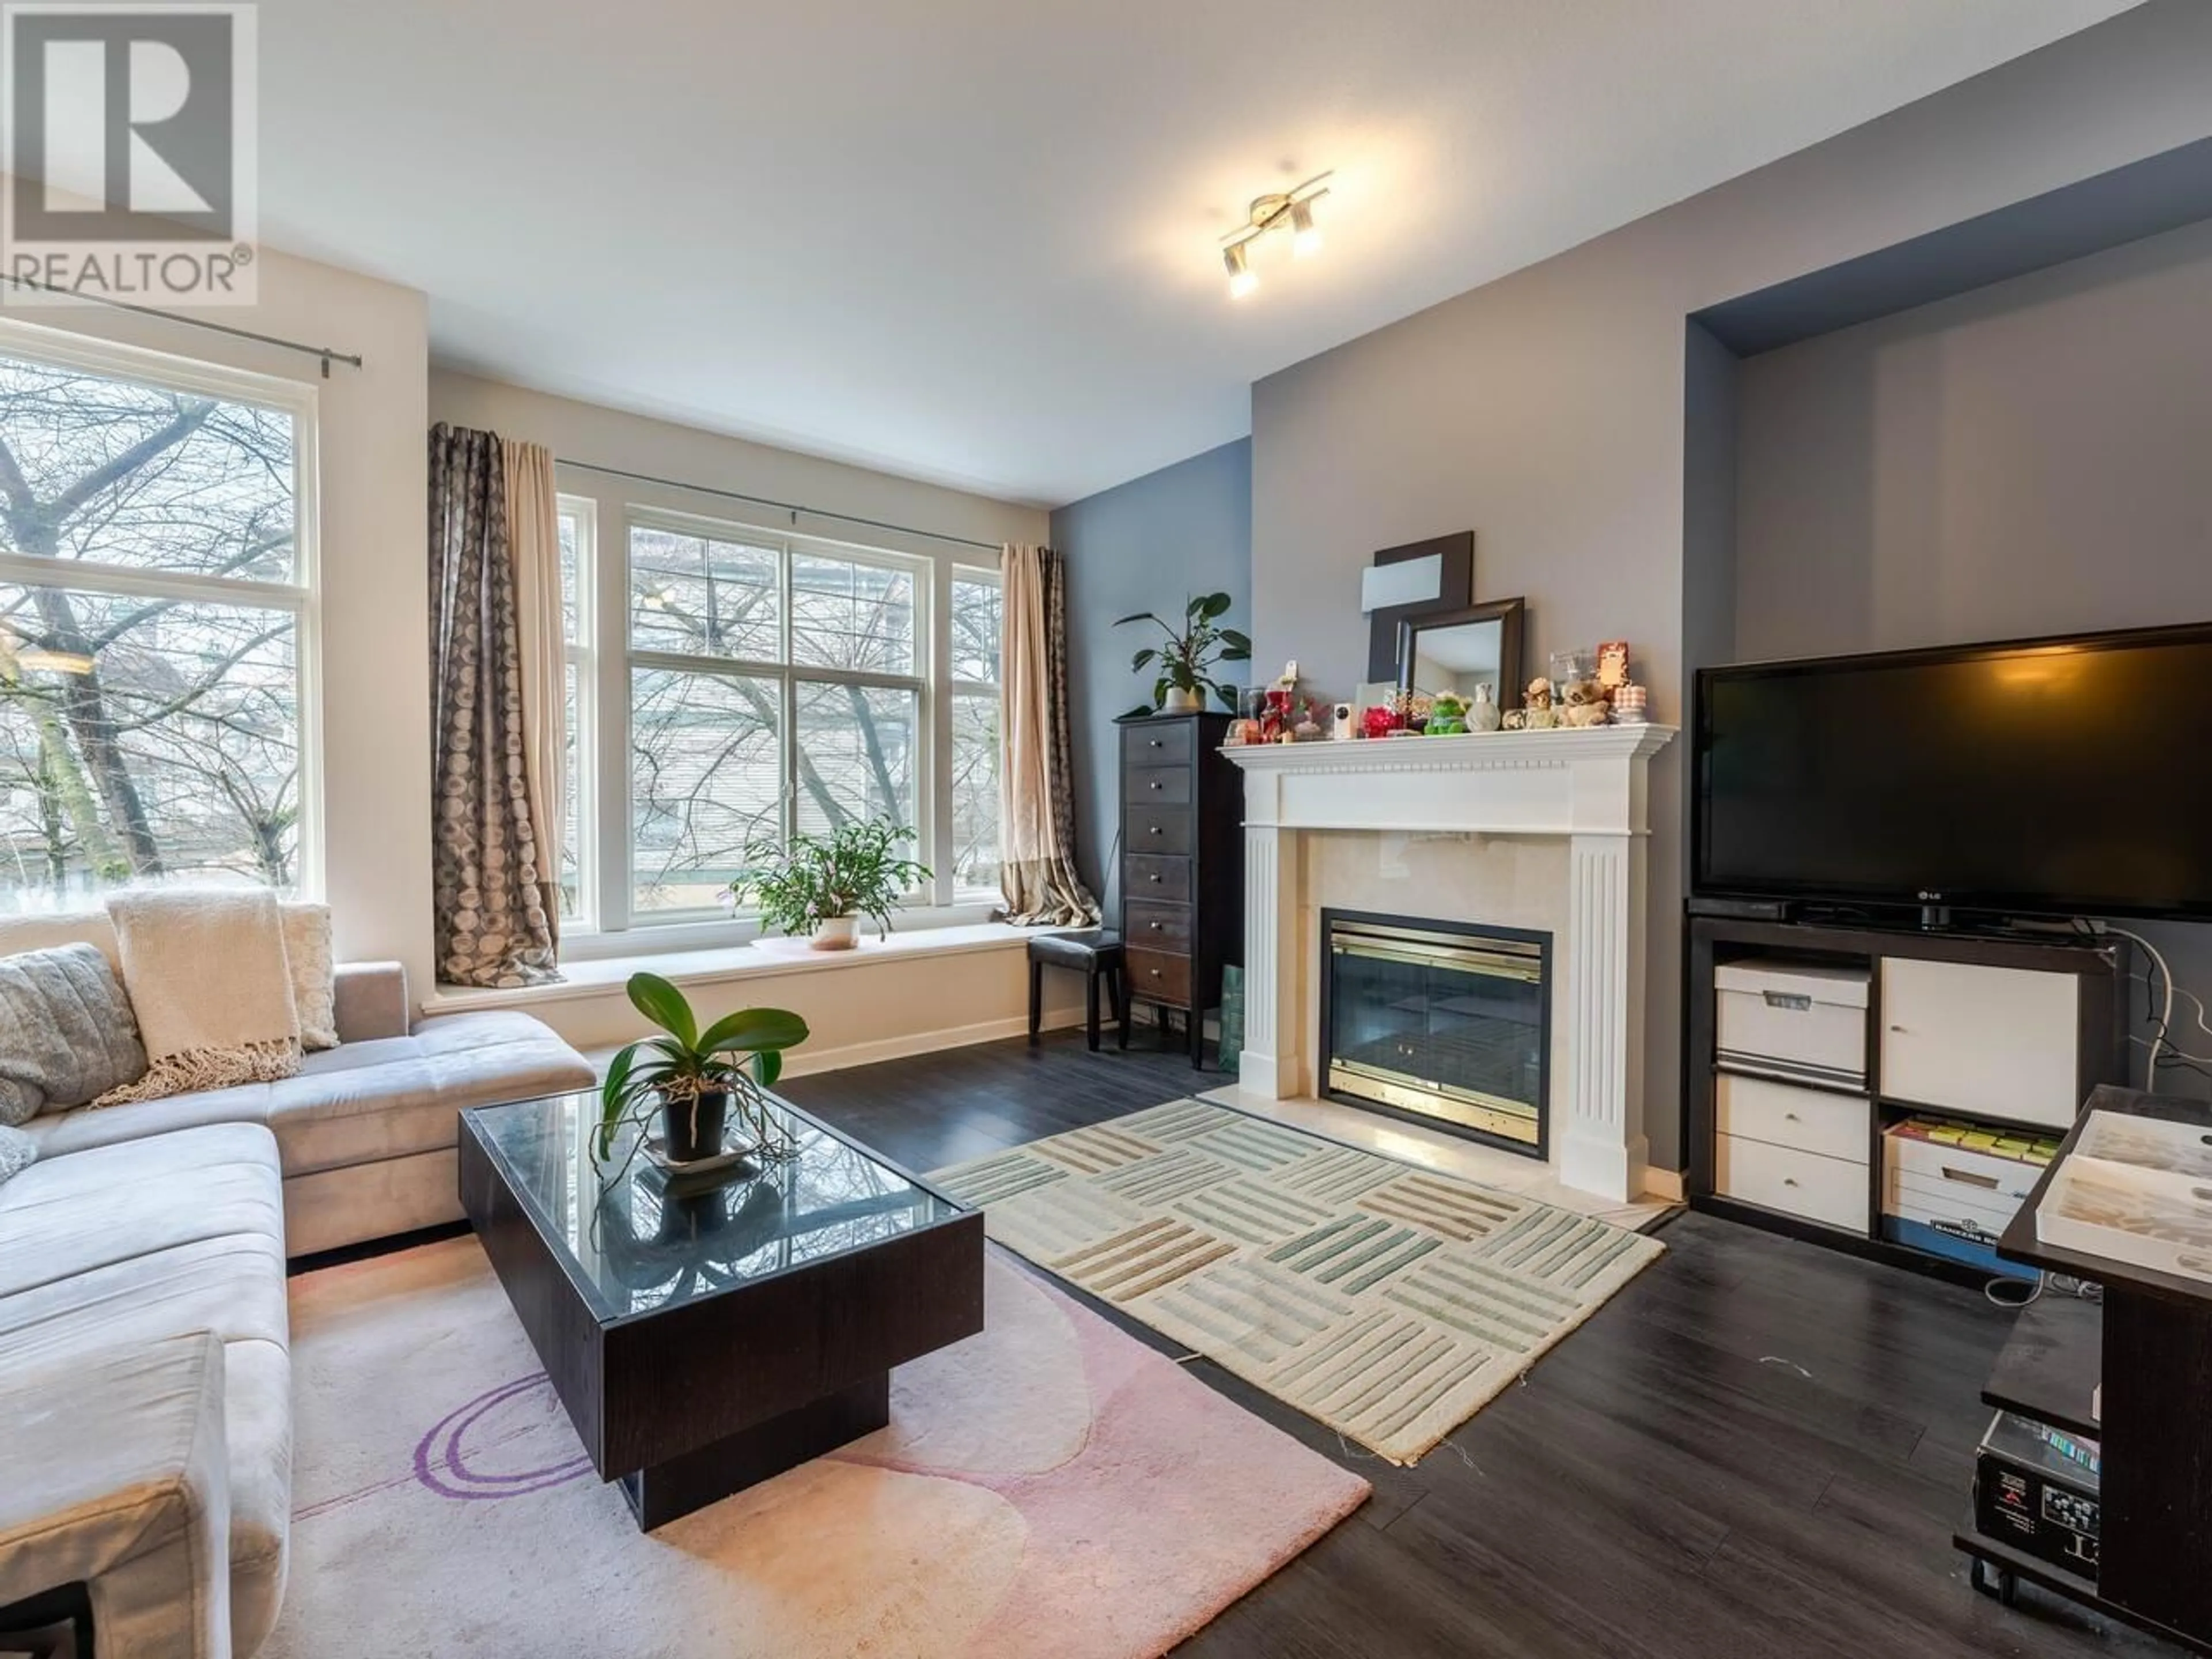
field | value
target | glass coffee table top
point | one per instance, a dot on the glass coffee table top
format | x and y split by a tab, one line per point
636	1240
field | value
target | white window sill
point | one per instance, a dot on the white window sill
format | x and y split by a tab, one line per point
604	975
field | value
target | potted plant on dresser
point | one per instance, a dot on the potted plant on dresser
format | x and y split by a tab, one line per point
818	887
692	1077
1185	661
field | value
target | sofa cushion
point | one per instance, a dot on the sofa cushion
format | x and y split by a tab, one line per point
232	1285
306	929
256	1414
401	1095
359	1101
66	1031
70	1215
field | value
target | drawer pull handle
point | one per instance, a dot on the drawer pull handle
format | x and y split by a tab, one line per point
1155	926
1154	972
1789	1180
1154	831
1154	784
1970	1177
1790	1117
1795	1002
1155	743
1153	879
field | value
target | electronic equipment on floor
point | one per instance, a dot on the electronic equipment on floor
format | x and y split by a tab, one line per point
2037	1490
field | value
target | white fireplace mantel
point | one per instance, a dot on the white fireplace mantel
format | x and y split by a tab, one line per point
1586	786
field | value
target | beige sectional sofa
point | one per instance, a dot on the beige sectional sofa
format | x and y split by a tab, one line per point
365	1130
144	1378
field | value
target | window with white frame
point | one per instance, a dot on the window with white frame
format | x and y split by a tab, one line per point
770	684
978	624
156	624
579	528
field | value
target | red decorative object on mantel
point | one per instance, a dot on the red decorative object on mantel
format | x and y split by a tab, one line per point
1382	722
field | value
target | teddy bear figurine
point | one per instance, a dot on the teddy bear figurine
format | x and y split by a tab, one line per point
1586	704
1536	704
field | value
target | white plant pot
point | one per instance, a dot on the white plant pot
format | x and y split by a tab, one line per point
838	934
1181	702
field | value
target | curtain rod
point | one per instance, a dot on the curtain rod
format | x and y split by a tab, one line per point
325	353
792	508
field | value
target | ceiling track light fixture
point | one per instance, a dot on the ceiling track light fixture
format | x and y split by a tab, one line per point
1292	210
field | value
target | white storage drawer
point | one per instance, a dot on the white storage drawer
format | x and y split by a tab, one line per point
1787	1019
1835	1125
1828	1190
1982	1042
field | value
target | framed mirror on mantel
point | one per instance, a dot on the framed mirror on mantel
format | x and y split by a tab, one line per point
1456	651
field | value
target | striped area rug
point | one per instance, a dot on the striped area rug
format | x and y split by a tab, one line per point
1390	1303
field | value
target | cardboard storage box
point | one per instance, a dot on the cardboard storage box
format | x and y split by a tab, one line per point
1789	1019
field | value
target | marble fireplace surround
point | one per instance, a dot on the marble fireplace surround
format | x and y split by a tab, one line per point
1521	829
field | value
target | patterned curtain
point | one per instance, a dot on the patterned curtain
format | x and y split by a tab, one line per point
1036	780
492	924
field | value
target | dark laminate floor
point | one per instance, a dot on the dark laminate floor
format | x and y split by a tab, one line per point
1757	1448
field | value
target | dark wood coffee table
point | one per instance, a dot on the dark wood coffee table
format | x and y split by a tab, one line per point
705	1337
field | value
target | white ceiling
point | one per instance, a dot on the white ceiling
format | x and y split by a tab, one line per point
975	241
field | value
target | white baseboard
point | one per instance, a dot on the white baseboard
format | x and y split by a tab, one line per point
800	1063
1663	1183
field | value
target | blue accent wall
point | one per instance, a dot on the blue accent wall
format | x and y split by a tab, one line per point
1149	544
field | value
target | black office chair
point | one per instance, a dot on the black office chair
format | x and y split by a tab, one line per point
1095	953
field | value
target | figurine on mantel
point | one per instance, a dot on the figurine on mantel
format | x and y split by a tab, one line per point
1447	716
1482	715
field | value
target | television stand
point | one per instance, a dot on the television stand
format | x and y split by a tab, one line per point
2006	1031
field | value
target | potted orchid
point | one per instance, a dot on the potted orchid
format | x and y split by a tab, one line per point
693	1078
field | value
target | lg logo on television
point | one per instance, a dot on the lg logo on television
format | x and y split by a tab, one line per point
130	153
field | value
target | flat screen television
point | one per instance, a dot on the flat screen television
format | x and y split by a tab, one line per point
2062	776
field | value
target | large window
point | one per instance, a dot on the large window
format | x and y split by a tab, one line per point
768	683
156	620
978	620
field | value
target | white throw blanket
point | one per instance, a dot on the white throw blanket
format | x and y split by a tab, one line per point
207	976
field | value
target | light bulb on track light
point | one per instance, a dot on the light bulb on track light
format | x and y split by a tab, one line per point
1305	235
1242	278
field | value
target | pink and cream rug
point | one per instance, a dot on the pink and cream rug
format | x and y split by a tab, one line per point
1048	1487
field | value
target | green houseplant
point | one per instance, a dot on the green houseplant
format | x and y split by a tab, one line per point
1185	662
818	887
692	1076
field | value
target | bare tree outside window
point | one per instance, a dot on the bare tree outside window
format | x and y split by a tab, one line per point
978	626
769	686
148	649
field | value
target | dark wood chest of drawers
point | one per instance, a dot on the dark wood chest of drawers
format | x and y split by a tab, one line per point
1183	863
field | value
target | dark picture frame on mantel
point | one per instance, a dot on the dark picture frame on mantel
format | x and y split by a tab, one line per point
1455	555
1511	617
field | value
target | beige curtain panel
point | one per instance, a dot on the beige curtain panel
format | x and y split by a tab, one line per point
534	517
1036	780
492	924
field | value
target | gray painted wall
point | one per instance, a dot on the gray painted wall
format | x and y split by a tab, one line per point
2033	458
1149	544
1545	410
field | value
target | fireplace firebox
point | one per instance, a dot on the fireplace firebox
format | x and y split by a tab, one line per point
1443	1022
